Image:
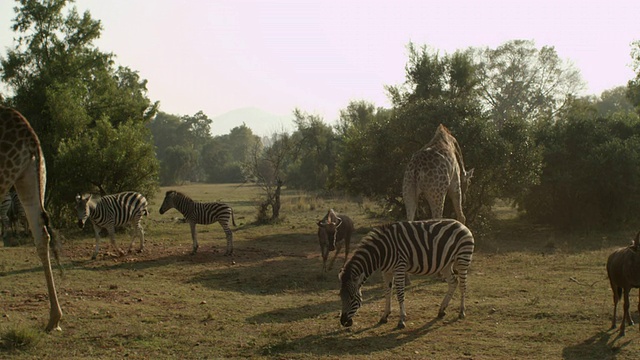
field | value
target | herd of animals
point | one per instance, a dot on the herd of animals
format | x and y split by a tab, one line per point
437	246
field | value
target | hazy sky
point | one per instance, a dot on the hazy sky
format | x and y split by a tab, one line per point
217	56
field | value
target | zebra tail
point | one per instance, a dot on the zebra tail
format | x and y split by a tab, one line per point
233	219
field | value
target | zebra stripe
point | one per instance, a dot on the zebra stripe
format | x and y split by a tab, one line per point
200	213
112	211
443	246
11	213
4	211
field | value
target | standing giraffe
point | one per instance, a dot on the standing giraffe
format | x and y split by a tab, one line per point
436	170
22	165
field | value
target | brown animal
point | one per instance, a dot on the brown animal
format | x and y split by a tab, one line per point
22	165
333	230
623	269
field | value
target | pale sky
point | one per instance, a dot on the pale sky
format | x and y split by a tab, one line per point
318	55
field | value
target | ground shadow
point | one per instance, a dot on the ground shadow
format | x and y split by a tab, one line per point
340	343
603	345
289	315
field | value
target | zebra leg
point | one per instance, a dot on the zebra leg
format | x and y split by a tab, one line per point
112	236
452	280
387	279
462	279
229	235
194	237
139	231
96	249
399	283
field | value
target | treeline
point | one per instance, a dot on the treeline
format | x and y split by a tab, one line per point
562	159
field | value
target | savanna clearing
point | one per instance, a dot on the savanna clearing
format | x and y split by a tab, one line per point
533	293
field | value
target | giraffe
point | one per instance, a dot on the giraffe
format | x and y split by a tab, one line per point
22	165
436	170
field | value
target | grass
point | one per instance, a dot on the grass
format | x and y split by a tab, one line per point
533	294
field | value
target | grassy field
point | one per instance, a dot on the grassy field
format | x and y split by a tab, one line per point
533	294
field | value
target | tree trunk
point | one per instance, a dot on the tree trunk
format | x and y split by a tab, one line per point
276	200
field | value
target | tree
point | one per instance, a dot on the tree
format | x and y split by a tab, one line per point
266	167
633	86
68	89
314	164
519	81
591	172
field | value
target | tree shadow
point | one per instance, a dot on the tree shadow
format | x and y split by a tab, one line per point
603	345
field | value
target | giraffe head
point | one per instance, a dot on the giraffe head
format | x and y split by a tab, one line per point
82	206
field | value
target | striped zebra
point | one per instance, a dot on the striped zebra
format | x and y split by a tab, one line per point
443	246
12	212
200	213
110	212
4	214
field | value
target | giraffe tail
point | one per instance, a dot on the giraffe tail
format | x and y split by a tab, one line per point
54	244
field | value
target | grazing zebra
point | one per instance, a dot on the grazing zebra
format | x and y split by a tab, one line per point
443	246
4	211
111	211
333	231
200	213
12	212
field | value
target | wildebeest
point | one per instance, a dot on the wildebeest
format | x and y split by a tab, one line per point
623	269
333	230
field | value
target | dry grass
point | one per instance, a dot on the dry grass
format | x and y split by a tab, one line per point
533	294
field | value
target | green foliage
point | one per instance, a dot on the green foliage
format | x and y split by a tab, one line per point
523	83
633	86
591	174
70	91
188	152
314	158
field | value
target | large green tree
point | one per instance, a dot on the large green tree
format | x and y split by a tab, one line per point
68	89
520	82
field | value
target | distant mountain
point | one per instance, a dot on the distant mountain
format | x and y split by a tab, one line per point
260	122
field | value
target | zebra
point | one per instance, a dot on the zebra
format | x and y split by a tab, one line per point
111	211
4	214
200	213
443	246
12	212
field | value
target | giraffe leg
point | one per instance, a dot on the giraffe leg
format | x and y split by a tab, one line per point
194	237
456	200
436	204
410	196
29	195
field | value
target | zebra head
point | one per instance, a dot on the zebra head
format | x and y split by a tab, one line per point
168	203
82	206
350	294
